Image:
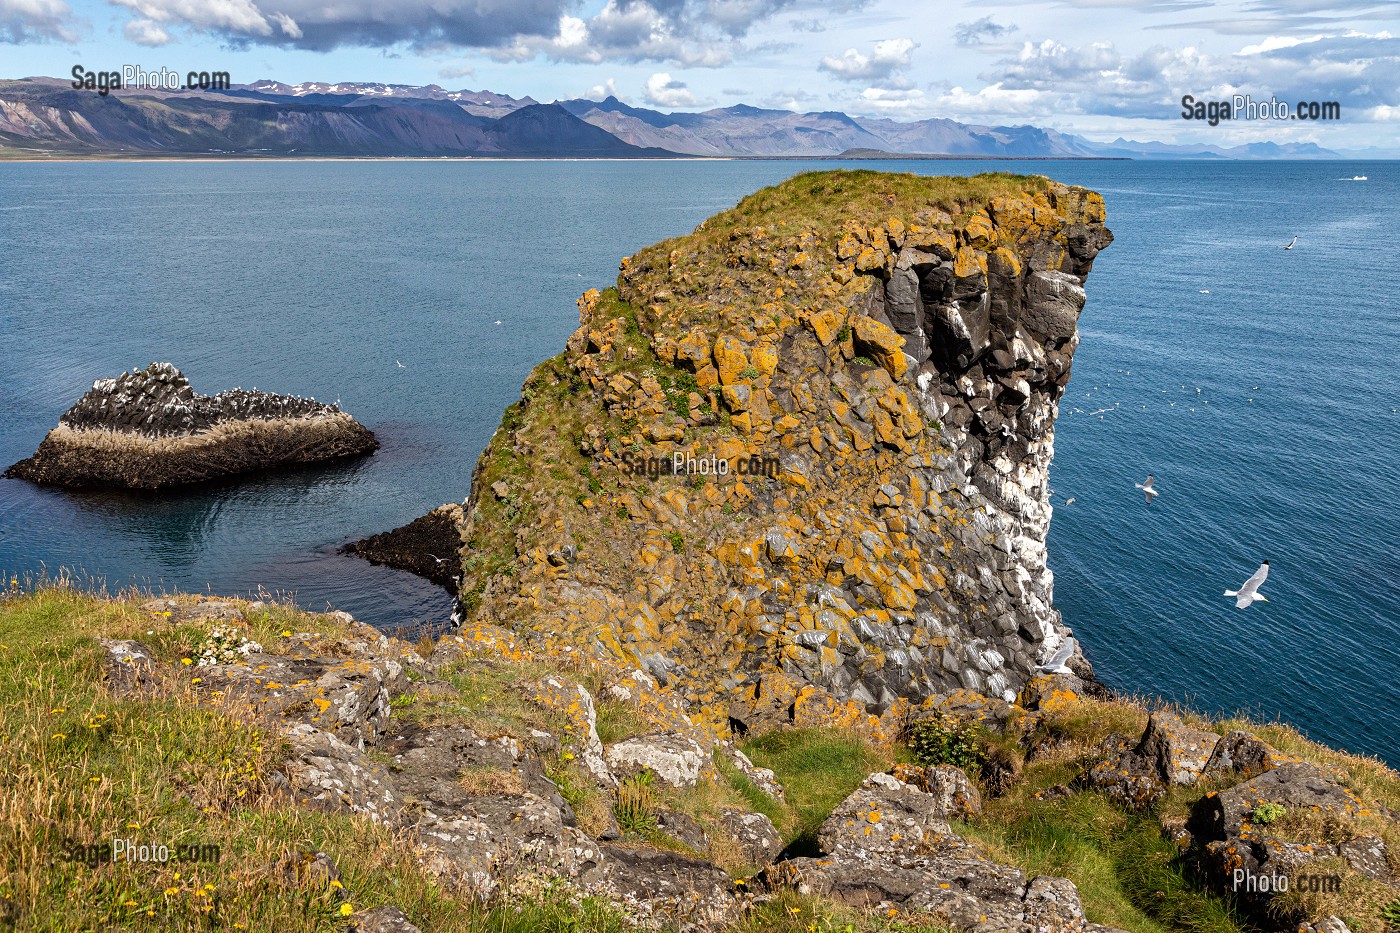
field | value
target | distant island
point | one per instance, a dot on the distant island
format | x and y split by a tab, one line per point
47	118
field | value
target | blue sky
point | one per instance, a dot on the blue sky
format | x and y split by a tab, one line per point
1101	68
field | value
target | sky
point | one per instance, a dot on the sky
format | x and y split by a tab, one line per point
1099	68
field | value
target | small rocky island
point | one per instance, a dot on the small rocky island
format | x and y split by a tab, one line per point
148	429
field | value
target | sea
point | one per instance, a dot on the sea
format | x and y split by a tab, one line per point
1259	385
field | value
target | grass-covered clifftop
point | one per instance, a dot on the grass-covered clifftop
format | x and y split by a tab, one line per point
88	756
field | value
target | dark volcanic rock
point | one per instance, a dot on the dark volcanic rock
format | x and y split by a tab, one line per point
428	546
148	429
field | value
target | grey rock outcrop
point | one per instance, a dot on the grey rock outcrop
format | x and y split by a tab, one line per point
889	845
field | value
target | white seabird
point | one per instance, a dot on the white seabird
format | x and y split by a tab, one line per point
1058	663
1249	593
1148	488
1291	244
400	365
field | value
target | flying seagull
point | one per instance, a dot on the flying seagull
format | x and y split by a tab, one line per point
1295	240
1069	500
400	365
1148	489
1058	663
1249	593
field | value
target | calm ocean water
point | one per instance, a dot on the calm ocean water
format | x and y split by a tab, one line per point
1259	385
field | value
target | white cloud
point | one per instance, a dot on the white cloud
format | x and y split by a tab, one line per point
36	20
1274	43
892	99
458	71
145	32
686	33
980	30
664	91
602	91
991	101
240	17
887	57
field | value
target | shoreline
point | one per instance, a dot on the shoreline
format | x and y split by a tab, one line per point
893	157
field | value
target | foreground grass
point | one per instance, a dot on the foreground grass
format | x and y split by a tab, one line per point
80	767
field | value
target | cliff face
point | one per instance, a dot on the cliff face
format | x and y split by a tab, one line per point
148	429
856	375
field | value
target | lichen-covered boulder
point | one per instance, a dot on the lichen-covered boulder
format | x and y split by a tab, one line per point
676	759
755	835
326	772
1179	752
885	819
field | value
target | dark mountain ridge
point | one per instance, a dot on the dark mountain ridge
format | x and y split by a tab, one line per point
46	116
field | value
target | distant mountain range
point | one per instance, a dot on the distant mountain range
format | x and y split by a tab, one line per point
46	116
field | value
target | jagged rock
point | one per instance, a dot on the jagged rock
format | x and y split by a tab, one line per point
576	702
127	665
675	758
349	697
1179	753
956	795
1052	900
326	772
148	429
1233	848
1326	925
885	819
755	835
885	845
487	839
436	767
428	546
1240	753
1367	855
684	829
669	887
381	920
1130	779
1137	775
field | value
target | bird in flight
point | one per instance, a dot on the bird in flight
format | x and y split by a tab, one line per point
1069	500
1148	488
1058	663
400	365
1294	241
1249	593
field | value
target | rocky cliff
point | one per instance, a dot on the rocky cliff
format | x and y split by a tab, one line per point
149	429
796	461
